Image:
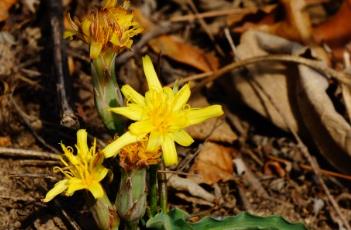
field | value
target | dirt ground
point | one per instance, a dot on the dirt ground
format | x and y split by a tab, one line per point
265	171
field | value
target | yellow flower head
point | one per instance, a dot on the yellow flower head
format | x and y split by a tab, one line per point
135	156
109	27
161	115
82	171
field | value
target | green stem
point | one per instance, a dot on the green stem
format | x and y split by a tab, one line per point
106	90
163	190
153	189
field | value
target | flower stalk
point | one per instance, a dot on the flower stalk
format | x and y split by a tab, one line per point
106	90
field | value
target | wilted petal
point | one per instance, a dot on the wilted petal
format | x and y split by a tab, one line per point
58	188
183	138
109	3
150	73
196	116
113	148
169	152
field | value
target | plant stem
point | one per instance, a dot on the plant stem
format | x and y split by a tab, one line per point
153	189
106	91
163	190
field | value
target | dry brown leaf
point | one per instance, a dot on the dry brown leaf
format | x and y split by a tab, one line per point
5	141
177	49
296	25
214	163
268	81
5	5
330	131
181	51
336	30
214	129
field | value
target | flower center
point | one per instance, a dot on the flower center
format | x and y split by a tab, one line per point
159	109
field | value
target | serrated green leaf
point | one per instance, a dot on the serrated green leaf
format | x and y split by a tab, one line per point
176	220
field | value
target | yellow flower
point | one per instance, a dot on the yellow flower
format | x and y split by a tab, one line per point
82	171
162	115
109	27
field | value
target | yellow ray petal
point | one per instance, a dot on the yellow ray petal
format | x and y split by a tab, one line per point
82	139
97	190
133	112
196	116
183	138
132	95
181	97
150	73
100	172
74	184
58	188
113	148
155	140
169	151
141	127
95	49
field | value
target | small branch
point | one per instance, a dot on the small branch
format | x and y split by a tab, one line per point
163	190
59	64
23	153
24	117
316	65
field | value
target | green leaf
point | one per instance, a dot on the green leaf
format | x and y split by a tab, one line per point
176	220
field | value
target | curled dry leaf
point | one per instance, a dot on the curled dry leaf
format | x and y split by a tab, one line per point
266	82
5	6
178	49
213	129
214	163
184	184
299	93
330	131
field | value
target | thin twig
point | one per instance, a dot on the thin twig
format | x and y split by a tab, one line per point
59	65
214	13
23	153
316	65
24	117
177	173
190	78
